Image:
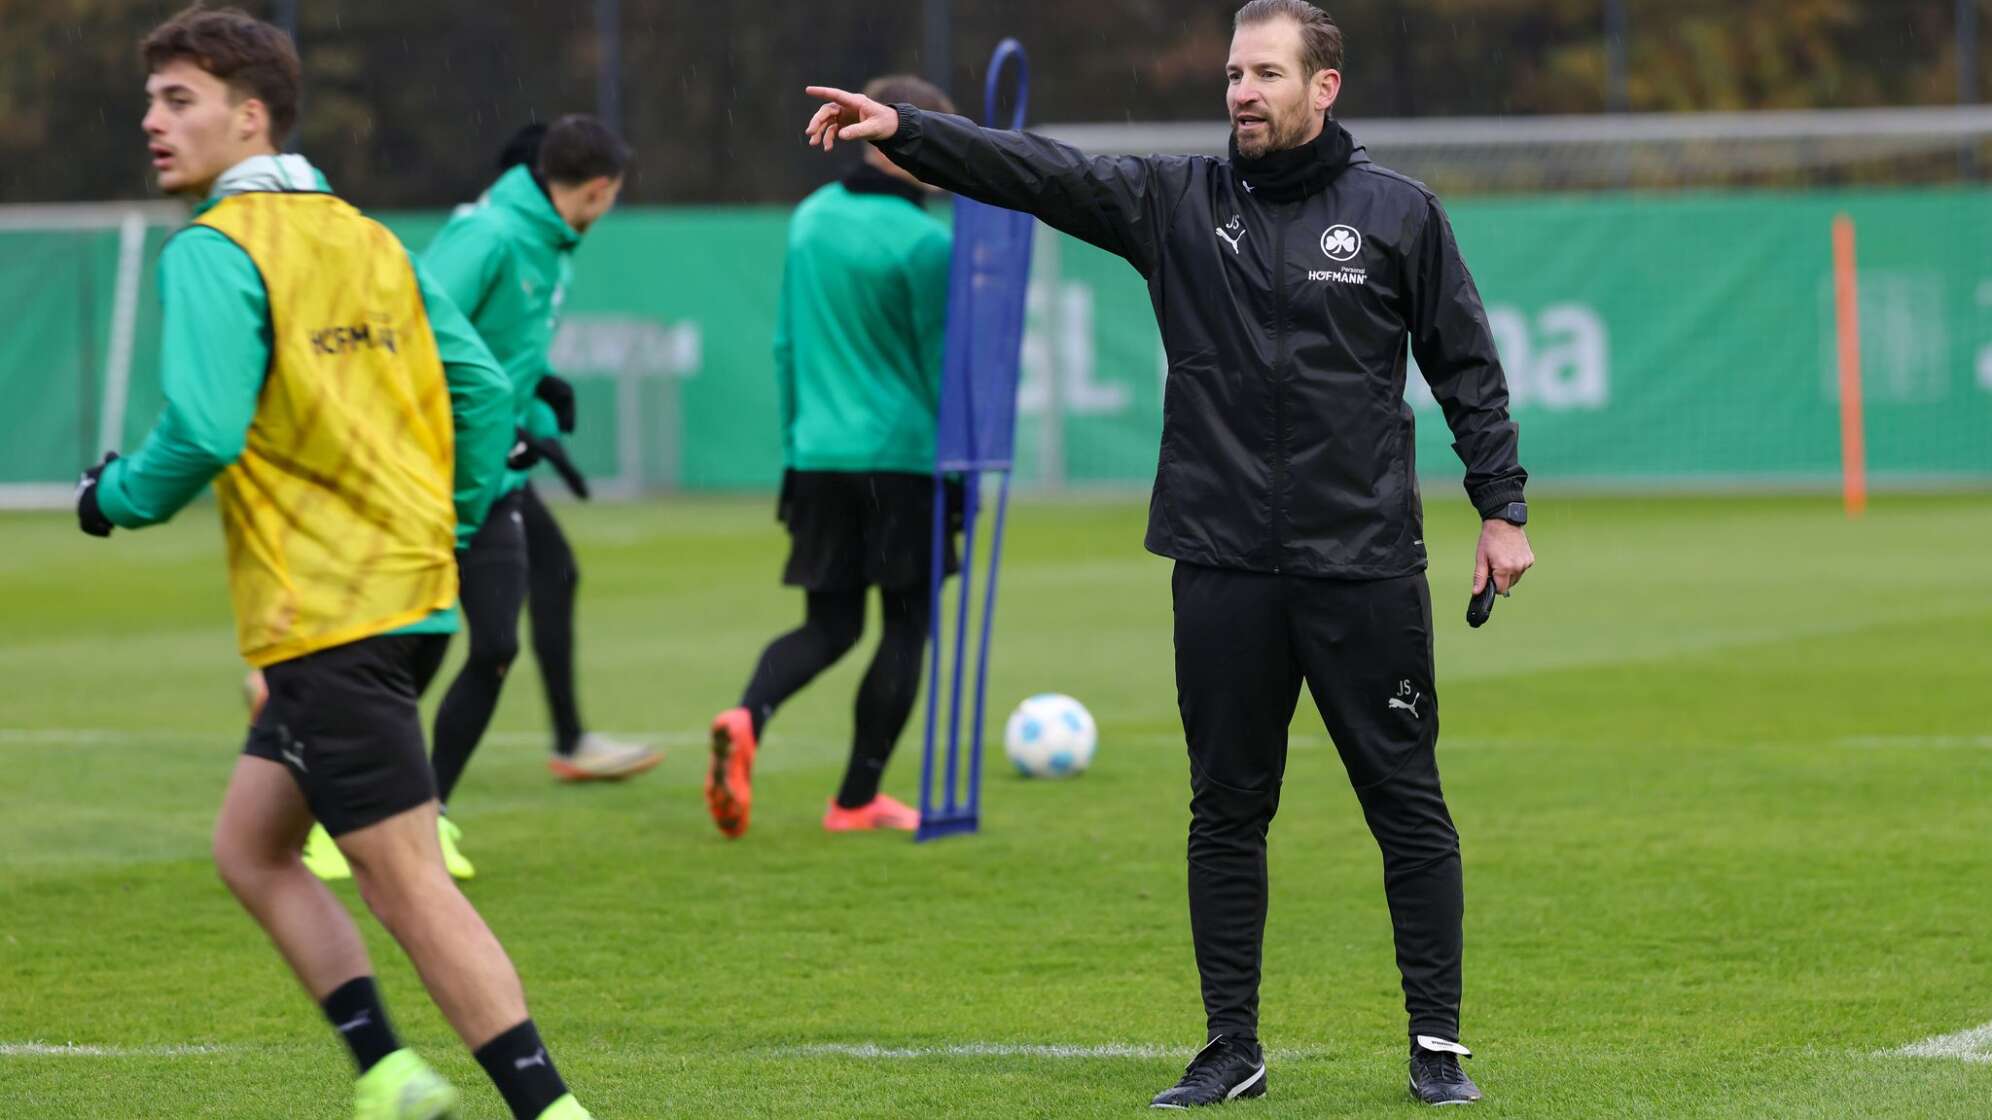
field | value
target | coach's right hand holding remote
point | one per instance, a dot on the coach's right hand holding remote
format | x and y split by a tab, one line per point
1503	553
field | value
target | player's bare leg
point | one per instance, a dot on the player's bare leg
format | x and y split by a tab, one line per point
398	865
257	839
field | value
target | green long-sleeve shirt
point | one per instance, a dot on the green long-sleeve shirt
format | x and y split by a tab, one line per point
507	262
215	350
859	332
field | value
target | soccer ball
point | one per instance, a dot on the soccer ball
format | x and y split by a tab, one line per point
1050	736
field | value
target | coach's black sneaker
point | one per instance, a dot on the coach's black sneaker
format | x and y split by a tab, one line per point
1435	1074
1225	1069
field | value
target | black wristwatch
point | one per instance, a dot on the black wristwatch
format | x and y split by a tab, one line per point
1514	513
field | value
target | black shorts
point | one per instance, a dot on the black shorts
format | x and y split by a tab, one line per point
344	722
849	530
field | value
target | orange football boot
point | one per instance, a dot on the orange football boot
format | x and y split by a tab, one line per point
729	787
879	812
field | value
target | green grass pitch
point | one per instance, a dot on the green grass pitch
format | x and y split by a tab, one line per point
1722	771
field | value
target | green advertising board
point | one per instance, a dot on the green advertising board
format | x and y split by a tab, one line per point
1649	340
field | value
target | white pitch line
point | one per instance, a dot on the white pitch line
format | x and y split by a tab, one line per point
1912	742
77	1050
1138	1050
1974	1045
106	736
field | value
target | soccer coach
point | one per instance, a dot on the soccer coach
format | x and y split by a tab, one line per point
1289	281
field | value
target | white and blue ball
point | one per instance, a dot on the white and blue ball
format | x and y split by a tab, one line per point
1050	736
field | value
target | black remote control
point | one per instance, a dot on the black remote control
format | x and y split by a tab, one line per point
1482	605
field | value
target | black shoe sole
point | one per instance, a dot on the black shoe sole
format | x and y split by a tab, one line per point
1438	1104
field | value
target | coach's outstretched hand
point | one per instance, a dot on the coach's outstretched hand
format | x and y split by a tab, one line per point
848	116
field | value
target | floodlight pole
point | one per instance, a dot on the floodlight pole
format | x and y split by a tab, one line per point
1616	98
936	54
286	13
1967	76
608	65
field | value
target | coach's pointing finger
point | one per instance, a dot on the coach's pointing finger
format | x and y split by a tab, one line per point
849	116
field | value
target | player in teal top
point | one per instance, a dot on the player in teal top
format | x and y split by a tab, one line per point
507	261
858	367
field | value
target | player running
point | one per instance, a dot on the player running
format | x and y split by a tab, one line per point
554	183
338	401
858	365
507	263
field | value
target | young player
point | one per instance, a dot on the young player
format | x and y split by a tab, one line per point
858	360
552	573
349	419
1290	282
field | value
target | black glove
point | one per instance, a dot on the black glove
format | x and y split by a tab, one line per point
525	454
559	396
89	515
556	457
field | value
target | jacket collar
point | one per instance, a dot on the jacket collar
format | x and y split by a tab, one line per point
1296	173
266	173
520	193
866	179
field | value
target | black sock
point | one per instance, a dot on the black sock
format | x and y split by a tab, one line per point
355	1012
523	1071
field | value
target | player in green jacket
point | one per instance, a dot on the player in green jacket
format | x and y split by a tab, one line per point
858	366
507	261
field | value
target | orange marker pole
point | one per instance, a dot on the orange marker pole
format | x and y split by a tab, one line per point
1846	309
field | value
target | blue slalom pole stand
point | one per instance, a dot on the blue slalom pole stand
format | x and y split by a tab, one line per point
988	280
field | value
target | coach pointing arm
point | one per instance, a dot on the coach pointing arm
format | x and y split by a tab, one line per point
1111	202
1130	205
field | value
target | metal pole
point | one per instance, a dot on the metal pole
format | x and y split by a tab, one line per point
1616	100
608	70
286	13
1967	77
1967	52
936	56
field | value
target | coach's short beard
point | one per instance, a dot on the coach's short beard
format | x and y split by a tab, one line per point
1276	137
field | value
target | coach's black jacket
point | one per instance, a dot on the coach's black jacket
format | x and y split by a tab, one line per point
1286	289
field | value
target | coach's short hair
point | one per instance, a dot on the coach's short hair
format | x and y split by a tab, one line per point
253	58
907	89
1320	39
577	148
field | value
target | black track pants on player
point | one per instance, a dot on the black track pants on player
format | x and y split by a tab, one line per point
554	576
1245	643
832	624
493	589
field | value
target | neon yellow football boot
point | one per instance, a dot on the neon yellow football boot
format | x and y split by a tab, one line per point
401	1086
449	834
323	858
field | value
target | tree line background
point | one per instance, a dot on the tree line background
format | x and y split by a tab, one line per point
407	101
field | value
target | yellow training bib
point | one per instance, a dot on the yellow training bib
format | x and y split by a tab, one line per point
338	516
